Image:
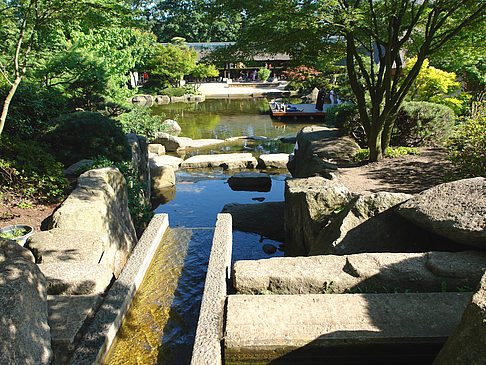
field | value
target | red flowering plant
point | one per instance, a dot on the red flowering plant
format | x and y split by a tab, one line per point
302	77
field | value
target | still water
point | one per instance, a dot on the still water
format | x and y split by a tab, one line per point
161	323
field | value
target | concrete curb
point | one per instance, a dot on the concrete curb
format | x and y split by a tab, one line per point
108	319
207	344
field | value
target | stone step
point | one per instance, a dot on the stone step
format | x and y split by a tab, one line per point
226	161
340	328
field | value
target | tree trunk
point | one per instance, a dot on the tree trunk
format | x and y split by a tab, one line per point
6	103
374	142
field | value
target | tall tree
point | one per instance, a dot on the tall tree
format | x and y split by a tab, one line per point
374	34
30	29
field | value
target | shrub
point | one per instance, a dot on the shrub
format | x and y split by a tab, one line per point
83	135
364	154
139	121
27	169
346	117
264	74
467	147
423	124
173	91
140	212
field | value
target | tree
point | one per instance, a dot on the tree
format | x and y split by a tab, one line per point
202	71
30	28
172	62
374	35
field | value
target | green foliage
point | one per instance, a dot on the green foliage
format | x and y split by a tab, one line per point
264	74
173	91
364	153
83	135
345	116
171	62
302	78
204	70
32	109
140	121
467	147
423	124
26	169
140	212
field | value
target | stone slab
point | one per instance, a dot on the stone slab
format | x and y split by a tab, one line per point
67	315
250	181
165	160
108	319
225	161
368	273
66	245
273	161
272	326
207	344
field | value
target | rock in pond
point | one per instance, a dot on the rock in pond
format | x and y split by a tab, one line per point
269	249
227	161
250	181
273	161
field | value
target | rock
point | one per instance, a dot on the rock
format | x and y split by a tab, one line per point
163	195
145	100
76	278
228	161
466	344
25	337
265	219
317	144
162	99
456	210
140	162
250	181
171	126
290	140
100	204
178	99
66	245
273	161
269	249
359	210
170	143
156	148
360	273
165	160
197	98
67	314
72	170
308	205
162	177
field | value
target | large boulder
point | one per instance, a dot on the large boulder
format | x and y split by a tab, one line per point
265	219
171	126
456	210
162	177
358	211
308	205
467	343
165	160
143	100
162	99
100	204
25	336
316	149
273	161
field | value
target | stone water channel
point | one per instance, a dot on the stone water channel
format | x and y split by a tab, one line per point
161	323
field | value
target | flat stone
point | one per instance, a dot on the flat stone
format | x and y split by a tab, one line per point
250	181
296	327
65	245
455	210
368	272
165	160
156	148
273	161
76	278
67	315
228	161
265	219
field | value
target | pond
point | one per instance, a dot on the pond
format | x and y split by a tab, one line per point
161	323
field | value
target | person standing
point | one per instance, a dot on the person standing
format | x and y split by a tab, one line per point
332	96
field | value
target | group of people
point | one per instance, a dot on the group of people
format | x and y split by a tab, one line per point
248	76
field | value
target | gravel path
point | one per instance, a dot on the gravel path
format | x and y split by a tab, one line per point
404	174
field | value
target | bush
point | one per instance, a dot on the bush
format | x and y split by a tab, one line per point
174	91
27	169
364	154
83	135
139	121
264	74
423	124
346	117
467	147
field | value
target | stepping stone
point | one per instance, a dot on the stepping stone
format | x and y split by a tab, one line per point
371	328
273	161
225	161
165	160
250	181
76	278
